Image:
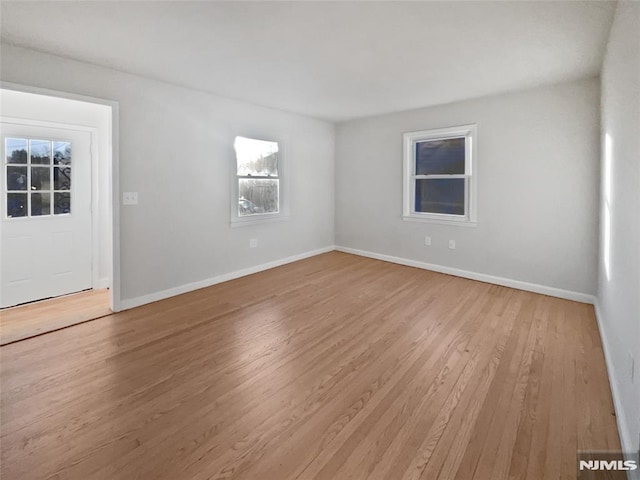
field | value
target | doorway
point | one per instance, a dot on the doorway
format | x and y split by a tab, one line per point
47	218
55	213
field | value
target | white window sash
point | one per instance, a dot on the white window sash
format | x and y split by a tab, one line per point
411	139
445	177
259	177
236	220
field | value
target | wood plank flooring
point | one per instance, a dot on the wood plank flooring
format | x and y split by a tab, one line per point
333	367
24	321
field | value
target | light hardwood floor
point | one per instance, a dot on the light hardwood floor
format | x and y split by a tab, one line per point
333	367
25	321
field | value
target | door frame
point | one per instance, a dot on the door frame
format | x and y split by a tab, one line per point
113	180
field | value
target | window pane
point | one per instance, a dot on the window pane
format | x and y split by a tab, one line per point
61	203
16	149
256	157
40	204
16	178
257	196
16	205
40	152
61	178
440	157
61	153
40	178
444	195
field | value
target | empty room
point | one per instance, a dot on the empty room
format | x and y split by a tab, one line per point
310	240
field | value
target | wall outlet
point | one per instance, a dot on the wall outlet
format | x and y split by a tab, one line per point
452	244
253	243
130	198
427	241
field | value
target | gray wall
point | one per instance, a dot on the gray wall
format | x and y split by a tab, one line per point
176	150
619	279
538	154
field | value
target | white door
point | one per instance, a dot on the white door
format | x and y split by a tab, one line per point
45	213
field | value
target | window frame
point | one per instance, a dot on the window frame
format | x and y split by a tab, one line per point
283	211
410	139
52	191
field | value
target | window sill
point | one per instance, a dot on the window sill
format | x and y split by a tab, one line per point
257	220
441	221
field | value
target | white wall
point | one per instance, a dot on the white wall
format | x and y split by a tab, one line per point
72	112
537	192
619	277
176	150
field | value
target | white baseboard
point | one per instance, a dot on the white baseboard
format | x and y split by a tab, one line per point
623	427
154	297
505	282
102	284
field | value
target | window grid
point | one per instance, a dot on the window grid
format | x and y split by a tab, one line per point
30	191
257	177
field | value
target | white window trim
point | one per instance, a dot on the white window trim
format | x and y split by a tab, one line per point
471	175
283	190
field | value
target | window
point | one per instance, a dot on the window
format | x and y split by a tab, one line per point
38	177
258	180
440	175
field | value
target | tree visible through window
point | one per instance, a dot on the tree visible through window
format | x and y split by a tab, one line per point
38	177
258	176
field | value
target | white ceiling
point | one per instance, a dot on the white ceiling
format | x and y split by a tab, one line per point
332	60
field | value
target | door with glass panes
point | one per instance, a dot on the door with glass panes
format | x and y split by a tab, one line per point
45	213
